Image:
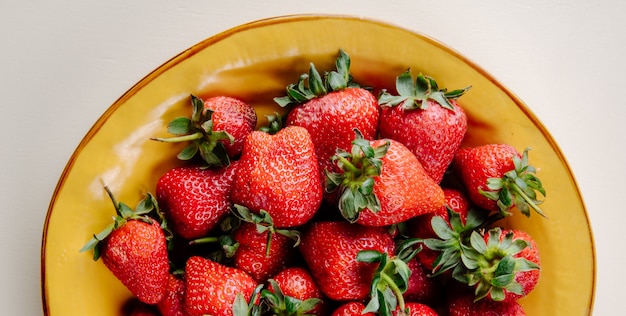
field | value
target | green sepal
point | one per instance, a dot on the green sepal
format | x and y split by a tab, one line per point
275	122
265	224
284	305
242	308
389	282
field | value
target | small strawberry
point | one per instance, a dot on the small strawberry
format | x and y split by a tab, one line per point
416	309
293	291
212	288
279	174
421	227
505	267
330	250
195	199
173	303
262	249
464	304
134	249
330	108
382	183
426	119
498	177
351	309
216	129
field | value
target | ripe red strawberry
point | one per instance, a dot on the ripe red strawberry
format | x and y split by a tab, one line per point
498	177
330	250
382	183
215	130
422	287
253	257
416	309
279	174
296	285
330	109
507	265
173	303
463	304
426	119
421	227
351	309
134	249
195	199
211	288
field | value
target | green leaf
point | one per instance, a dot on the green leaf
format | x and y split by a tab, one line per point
240	306
188	152
404	84
316	84
198	108
369	256
441	228
179	126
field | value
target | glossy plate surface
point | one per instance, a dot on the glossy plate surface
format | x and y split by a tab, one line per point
255	62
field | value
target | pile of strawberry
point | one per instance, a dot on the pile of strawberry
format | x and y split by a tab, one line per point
349	204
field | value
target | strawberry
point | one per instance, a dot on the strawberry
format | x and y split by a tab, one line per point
351	309
463	304
426	119
194	198
172	303
263	253
416	309
134	249
212	288
216	129
382	183
279	174
294	292
421	286
330	250
421	227
330	109
498	177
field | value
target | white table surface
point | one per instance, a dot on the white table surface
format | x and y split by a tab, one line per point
64	62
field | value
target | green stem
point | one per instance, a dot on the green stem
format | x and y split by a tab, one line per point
204	240
528	200
395	289
179	139
350	166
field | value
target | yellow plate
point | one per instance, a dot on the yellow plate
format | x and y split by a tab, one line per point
254	62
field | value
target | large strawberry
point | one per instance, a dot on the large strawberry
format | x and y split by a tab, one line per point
293	291
279	174
426	119
330	108
212	288
330	250
194	198
382	183
498	177
215	130
134	249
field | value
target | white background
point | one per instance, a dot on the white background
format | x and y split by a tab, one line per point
62	63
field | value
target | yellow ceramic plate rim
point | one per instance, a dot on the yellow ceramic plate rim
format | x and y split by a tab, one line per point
278	20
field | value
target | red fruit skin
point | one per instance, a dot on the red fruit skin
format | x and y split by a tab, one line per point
298	283
279	174
422	288
251	252
330	250
462	304
233	116
433	134
418	309
477	164
331	120
351	309
195	199
403	189
527	279
135	307
421	227
173	303
136	253
211	288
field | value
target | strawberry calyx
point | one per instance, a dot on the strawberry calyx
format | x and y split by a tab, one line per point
492	267
285	305
275	122
250	308
147	210
313	85
518	187
416	94
198	130
265	224
356	182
